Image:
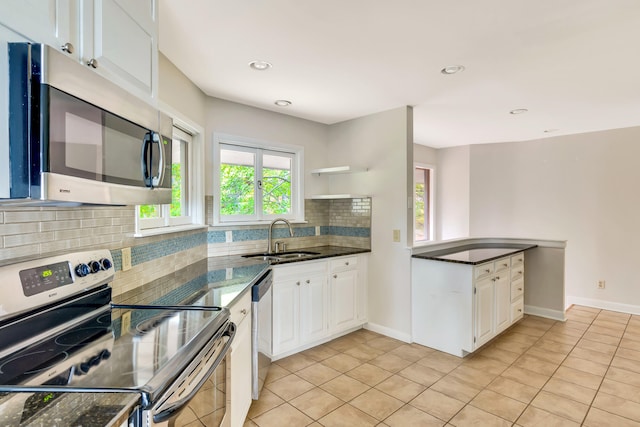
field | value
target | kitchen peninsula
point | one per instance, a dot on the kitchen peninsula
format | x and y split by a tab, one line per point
466	292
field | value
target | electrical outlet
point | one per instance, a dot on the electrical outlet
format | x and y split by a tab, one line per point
126	322
396	235
126	259
600	284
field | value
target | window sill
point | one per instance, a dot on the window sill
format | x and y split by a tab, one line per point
168	230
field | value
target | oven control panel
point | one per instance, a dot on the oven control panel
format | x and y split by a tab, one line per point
28	285
45	278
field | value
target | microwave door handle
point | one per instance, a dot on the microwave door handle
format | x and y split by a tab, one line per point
164	414
145	164
156	180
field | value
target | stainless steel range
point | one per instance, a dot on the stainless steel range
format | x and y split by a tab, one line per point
66	359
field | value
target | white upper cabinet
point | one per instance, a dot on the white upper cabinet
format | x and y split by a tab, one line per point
117	38
53	22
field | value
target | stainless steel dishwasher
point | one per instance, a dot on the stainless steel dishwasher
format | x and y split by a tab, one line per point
261	336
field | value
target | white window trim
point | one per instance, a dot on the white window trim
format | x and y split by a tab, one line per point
196	161
432	189
297	177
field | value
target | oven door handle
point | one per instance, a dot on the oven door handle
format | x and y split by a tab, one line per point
173	409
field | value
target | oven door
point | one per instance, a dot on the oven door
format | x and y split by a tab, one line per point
199	392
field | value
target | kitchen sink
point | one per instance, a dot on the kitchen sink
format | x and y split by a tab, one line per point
282	256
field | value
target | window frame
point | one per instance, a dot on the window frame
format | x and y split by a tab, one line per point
194	186
431	211
297	179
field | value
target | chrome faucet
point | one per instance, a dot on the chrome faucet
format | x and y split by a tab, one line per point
269	251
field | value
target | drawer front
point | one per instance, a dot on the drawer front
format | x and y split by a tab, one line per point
343	263
517	310
300	269
502	265
241	309
517	289
517	260
517	273
483	270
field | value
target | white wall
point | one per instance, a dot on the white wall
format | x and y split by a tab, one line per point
383	143
582	188
452	193
177	92
250	122
425	155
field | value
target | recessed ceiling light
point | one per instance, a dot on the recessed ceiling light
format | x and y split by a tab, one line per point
260	65
518	111
282	103
452	69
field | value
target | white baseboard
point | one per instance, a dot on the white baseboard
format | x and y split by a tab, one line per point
392	333
545	312
604	305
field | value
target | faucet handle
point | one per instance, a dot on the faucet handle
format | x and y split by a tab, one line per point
280	246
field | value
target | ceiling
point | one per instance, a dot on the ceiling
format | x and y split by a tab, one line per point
573	64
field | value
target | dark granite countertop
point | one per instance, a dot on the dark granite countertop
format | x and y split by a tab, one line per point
475	253
224	278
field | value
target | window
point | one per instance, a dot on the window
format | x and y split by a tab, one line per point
423	203
178	211
255	181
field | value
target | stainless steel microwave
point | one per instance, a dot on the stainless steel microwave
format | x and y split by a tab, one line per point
75	137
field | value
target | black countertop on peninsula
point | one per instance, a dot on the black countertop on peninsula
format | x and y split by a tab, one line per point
473	254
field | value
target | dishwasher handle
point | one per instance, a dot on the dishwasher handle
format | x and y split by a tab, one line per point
166	413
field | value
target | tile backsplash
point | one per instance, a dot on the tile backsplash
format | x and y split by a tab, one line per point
339	222
29	233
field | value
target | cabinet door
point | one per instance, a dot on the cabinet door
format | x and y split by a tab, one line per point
121	37
286	315
240	390
344	300
503	302
42	21
484	309
313	308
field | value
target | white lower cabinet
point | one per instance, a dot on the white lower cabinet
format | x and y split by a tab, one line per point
314	301
299	305
239	393
457	308
484	309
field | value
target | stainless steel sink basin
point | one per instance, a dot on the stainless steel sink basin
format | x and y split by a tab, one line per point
282	256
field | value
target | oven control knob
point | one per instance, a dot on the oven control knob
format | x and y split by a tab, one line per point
106	263
105	354
82	270
83	368
94	266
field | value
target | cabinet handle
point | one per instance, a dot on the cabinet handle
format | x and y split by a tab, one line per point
93	63
308	281
519	289
243	311
298	283
346	263
497	277
335	276
519	310
68	48
520	272
487	271
505	265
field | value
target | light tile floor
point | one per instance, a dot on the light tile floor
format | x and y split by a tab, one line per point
585	371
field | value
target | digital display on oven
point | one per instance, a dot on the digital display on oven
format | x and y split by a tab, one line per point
45	278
